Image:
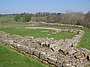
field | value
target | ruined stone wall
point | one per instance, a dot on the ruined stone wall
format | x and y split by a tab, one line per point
60	53
55	24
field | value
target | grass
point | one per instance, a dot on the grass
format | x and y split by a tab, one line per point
20	24
85	41
38	33
6	18
11	58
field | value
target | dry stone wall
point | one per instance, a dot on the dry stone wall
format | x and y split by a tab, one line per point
55	24
60	53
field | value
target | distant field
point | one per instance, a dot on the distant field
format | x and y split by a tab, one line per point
11	58
38	33
7	17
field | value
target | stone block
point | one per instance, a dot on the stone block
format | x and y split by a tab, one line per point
66	64
43	56
79	55
88	57
32	51
71	51
52	60
58	64
36	53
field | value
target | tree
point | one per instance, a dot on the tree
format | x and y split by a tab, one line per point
54	17
86	21
17	18
27	17
73	18
23	17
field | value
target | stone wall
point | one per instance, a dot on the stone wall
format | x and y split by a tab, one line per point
60	53
55	24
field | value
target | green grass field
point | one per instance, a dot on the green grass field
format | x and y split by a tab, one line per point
11	58
38	33
85	41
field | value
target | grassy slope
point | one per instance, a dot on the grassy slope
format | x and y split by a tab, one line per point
10	58
38	33
85	41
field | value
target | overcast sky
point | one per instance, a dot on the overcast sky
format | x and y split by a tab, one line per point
32	6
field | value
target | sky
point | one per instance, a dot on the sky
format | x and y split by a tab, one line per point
33	6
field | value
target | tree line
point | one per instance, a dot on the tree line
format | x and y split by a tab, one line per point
76	18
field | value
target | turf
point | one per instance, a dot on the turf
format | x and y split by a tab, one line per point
85	40
11	58
38	33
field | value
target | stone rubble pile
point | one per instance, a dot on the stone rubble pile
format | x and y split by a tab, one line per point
60	53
